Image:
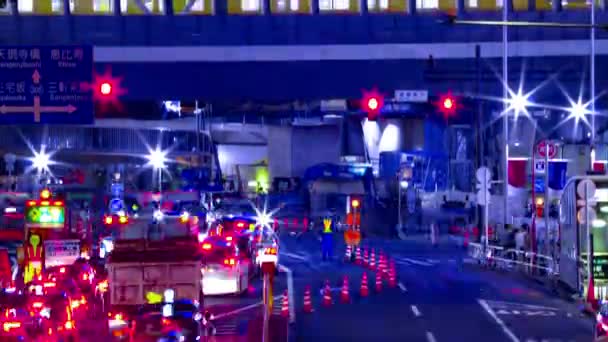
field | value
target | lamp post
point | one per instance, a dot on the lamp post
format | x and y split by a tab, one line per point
505	94
158	160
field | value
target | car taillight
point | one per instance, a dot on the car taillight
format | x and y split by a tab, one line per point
240	224
8	326
123	220
206	246
270	251
74	304
69	325
228	238
229	262
37	305
108	220
85	277
103	286
62	270
49	285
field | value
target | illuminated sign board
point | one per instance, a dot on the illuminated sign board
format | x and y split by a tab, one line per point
49	216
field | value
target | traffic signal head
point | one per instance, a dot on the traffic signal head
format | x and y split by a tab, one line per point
105	89
372	103
447	105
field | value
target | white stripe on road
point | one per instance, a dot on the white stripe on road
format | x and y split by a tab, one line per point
295	256
498	321
415	310
430	337
402	287
421	263
292	311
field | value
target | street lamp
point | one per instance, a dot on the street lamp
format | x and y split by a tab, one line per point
578	111
157	158
41	161
518	102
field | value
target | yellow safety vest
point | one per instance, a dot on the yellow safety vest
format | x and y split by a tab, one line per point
327	225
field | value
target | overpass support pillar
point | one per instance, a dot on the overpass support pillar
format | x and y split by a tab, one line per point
556	6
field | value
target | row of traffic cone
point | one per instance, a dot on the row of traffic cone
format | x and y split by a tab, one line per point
367	259
345	297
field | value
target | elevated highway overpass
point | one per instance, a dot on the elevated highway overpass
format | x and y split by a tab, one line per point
319	54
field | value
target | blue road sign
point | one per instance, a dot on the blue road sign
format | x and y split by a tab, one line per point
46	85
116	205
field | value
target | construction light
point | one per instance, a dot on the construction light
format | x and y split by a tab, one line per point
355	203
45	194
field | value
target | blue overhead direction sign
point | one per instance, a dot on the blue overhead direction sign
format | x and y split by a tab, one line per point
46	85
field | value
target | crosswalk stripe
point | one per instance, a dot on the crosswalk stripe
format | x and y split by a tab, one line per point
413	261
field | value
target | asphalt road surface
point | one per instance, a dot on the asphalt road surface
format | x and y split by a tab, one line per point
439	297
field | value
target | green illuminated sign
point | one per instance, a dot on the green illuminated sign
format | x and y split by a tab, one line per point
47	215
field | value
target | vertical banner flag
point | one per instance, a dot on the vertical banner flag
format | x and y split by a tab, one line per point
557	174
599	167
517	173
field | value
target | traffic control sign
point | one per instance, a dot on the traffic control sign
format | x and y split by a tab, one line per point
46	85
545	148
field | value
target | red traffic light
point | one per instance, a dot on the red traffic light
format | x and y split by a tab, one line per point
448	105
105	89
372	103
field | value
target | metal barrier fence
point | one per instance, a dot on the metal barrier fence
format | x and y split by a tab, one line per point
512	259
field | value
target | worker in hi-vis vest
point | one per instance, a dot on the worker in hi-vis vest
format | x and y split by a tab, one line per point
33	258
327	239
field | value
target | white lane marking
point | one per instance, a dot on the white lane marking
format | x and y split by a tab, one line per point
295	256
292	311
430	337
417	262
402	287
415	310
498	321
495	304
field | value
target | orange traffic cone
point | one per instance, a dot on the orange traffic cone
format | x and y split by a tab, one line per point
348	254
307	301
344	294
378	282
327	301
364	291
372	261
358	256
365	258
285	306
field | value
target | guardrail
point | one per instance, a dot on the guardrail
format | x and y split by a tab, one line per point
502	258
